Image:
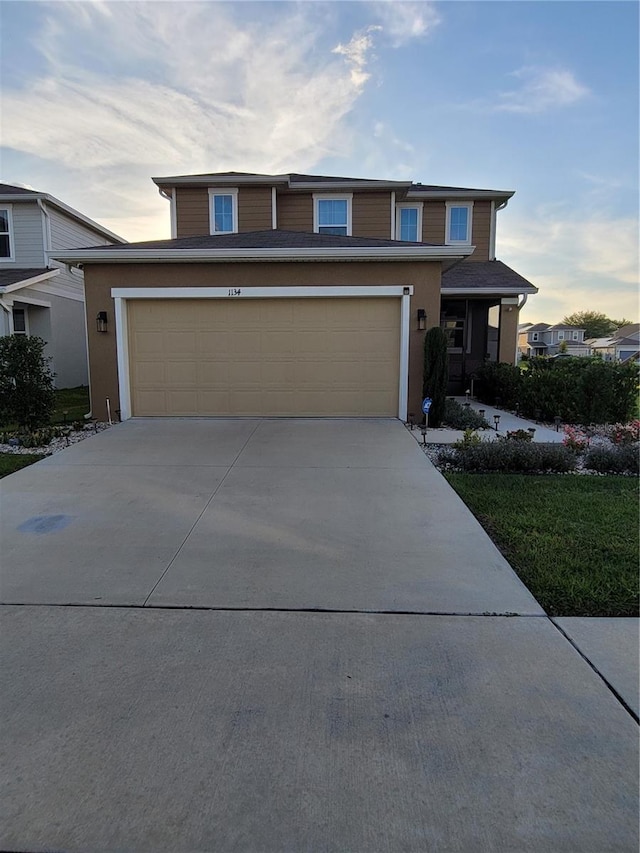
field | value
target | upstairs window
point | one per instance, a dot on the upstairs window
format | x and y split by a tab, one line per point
534	336
575	336
332	215
458	229
409	222
560	336
6	234
223	214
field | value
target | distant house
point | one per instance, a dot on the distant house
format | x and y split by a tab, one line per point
38	295
622	346
542	339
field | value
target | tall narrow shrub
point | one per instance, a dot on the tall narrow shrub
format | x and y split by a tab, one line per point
436	373
26	382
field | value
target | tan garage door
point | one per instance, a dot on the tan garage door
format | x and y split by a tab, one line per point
265	357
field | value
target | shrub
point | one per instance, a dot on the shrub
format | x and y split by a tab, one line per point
515	457
26	382
624	434
469	439
435	373
499	383
617	459
579	390
575	439
519	435
462	417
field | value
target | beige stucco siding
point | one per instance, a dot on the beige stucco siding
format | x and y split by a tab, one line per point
192	211
371	215
508	333
99	279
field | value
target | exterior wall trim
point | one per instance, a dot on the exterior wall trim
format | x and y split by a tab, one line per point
122	294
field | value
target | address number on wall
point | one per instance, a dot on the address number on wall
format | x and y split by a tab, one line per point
234	291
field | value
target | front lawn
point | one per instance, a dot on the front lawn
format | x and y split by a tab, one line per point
73	401
573	540
10	462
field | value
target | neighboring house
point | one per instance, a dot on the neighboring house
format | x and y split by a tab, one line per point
543	339
40	296
298	295
623	345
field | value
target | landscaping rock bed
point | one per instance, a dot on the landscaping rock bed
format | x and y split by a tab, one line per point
68	437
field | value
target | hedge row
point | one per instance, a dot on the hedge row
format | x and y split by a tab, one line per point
579	390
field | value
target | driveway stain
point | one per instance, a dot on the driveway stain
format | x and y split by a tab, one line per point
45	524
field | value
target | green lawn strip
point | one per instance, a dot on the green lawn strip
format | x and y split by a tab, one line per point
10	462
573	540
75	401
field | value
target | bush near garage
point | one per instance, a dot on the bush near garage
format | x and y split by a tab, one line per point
579	390
462	417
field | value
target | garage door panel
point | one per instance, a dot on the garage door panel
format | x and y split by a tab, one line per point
269	357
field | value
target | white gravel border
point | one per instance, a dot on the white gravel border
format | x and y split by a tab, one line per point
56	444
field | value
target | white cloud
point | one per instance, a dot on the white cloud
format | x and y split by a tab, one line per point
541	89
137	89
578	264
357	54
402	22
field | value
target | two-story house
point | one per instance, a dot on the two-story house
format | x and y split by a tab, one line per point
623	345
298	295
543	339
38	295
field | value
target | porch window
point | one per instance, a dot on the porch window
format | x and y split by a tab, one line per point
453	321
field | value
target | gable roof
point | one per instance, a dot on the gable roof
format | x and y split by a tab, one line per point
12	194
478	277
567	326
15	279
539	327
630	330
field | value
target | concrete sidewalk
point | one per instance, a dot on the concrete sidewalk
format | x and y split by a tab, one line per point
508	422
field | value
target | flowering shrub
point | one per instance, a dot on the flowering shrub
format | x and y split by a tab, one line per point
624	434
575	439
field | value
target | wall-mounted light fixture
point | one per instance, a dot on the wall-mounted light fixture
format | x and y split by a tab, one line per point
422	319
101	321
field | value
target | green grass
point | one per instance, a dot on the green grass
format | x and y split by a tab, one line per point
573	540
75	401
10	462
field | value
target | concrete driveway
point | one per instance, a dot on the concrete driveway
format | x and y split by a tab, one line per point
407	717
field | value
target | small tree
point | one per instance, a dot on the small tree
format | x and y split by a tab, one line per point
436	373
26	382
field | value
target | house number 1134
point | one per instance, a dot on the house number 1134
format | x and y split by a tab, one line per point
234	291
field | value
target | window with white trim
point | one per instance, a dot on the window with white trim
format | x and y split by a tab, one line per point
6	234
409	222
223	211
575	336
332	214
534	336
560	336
458	226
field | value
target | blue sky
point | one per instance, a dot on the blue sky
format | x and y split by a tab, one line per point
538	97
